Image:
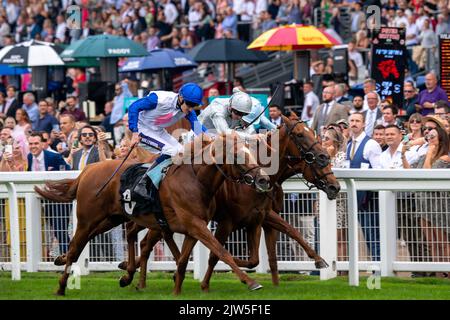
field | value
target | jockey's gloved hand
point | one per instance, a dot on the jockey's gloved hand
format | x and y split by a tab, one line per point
135	138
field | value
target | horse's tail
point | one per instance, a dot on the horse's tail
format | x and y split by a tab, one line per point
59	191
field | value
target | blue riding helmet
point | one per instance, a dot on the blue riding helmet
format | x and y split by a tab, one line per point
192	92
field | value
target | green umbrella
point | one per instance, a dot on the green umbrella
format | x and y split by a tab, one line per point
107	46
71	62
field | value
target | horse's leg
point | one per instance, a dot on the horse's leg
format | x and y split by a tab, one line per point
105	225
132	231
152	238
253	240
199	230
271	236
168	238
276	221
224	228
188	245
76	246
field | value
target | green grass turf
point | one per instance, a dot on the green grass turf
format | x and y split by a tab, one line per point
224	286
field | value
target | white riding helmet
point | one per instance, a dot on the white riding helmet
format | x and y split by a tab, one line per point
241	101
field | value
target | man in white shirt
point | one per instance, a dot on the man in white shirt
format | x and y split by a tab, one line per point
364	153
369	85
373	113
400	18
412	32
391	158
355	55
311	102
170	11
371	150
61	28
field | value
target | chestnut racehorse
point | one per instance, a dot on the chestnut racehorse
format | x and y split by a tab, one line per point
186	194
242	207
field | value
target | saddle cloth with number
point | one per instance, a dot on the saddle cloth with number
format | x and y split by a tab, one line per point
133	203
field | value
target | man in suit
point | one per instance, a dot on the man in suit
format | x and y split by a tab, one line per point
43	160
101	247
364	153
339	96
12	104
89	152
275	115
372	114
57	214
328	112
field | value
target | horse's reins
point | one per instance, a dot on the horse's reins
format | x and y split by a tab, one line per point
268	105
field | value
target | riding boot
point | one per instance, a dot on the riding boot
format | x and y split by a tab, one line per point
141	187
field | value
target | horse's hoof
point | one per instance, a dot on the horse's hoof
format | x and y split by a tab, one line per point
321	264
255	286
123	265
123	282
205	288
59	261
141	287
60	293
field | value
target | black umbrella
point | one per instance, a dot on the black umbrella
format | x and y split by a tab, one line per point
227	51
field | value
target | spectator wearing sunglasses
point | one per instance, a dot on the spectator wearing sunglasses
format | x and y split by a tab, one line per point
409	104
420	145
88	153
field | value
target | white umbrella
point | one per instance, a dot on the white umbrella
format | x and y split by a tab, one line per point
31	53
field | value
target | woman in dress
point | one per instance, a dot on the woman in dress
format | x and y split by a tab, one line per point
23	126
334	142
434	206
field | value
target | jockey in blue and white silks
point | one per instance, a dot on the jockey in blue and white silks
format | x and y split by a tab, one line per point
148	117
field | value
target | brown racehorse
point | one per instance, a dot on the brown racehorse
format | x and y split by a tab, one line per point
242	207
188	206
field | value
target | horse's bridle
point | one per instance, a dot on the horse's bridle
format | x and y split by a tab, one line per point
310	158
244	176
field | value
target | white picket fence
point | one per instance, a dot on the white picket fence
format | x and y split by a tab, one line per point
15	186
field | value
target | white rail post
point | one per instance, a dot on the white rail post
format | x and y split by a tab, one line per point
34	236
201	255
83	259
263	265
328	235
388	236
14	231
352	205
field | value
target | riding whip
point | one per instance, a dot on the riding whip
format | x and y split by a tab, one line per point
268	105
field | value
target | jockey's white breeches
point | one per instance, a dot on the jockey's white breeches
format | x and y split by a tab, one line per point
161	139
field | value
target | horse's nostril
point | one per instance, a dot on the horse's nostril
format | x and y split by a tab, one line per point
263	182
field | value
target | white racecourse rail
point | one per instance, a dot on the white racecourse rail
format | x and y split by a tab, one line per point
389	184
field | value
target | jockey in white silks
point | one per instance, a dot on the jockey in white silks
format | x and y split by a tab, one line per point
257	119
225	114
148	117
